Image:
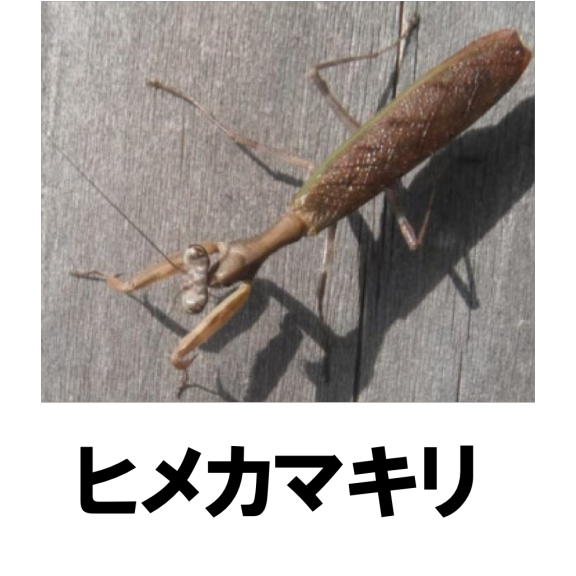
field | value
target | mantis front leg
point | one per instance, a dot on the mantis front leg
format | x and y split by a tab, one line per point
210	325
173	264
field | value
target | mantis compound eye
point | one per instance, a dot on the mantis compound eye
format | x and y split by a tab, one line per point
195	282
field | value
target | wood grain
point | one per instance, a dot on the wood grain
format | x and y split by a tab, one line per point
454	322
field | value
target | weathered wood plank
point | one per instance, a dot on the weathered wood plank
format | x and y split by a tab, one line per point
181	182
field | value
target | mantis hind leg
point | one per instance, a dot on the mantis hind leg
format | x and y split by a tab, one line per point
326	262
314	73
352	125
412	238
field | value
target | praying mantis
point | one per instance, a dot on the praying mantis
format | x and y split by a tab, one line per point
420	121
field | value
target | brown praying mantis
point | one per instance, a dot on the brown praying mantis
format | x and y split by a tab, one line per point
420	121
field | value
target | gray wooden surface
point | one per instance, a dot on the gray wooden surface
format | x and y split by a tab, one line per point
454	322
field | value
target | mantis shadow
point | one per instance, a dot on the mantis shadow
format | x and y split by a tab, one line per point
488	171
